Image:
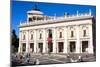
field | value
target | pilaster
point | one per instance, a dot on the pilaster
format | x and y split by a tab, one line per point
54	40
78	47
65	40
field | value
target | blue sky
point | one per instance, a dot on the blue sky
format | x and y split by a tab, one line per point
19	10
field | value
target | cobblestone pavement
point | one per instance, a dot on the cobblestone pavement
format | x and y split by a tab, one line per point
42	59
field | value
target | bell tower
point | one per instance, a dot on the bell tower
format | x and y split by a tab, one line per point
35	14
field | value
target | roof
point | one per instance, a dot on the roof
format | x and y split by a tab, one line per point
56	20
35	11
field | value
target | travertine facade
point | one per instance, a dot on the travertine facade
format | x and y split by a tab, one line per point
66	34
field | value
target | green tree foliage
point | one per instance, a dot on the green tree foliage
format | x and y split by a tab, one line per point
14	41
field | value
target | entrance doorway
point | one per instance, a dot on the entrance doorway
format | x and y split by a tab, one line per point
60	46
50	47
32	47
72	46
23	47
84	46
40	47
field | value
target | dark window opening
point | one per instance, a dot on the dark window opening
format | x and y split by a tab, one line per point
32	46
23	37
50	33
50	47
39	18
30	19
84	33
60	46
60	35
40	36
40	45
72	46
72	34
31	36
84	46
34	18
24	47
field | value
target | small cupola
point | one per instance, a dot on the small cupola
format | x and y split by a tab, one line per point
35	14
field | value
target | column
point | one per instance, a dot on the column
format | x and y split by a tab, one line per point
90	46
35	41
27	41
54	40
65	40
44	40
78	47
20	45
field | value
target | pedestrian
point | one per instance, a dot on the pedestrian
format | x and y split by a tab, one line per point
68	56
37	61
27	60
79	58
21	59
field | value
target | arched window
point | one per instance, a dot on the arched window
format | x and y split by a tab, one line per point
30	19
34	18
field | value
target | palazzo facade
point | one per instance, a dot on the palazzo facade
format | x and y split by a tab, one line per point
64	34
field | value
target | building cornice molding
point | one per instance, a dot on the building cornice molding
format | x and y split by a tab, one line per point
62	21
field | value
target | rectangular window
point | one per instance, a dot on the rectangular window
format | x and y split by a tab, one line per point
50	33
60	35
84	46
84	33
40	36
32	46
23	37
72	46
72	34
31	36
23	47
